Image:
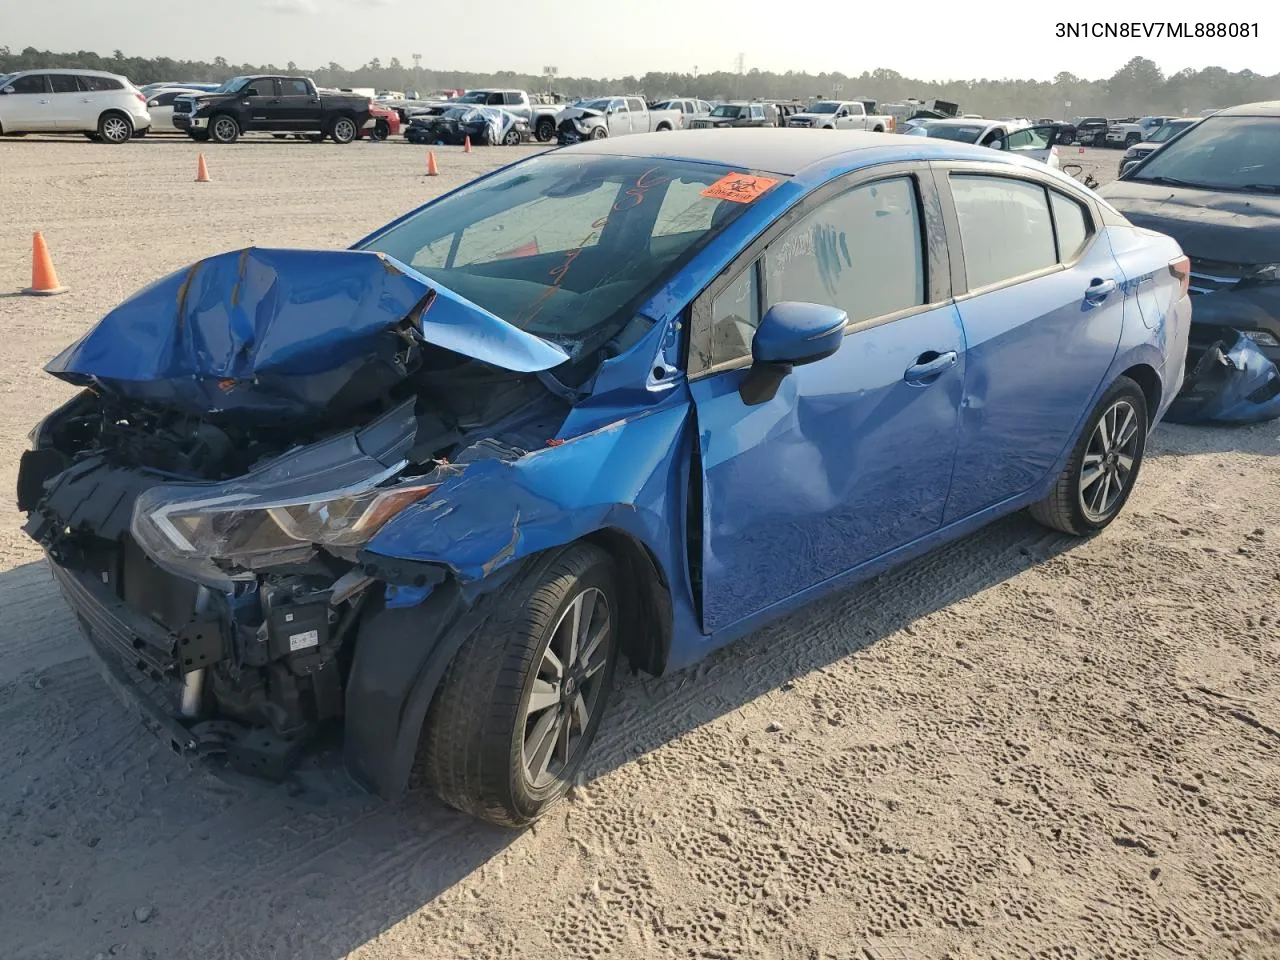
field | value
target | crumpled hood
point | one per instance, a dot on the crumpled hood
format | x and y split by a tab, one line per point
578	113
1208	224
286	332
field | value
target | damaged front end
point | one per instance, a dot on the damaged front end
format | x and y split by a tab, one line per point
247	426
1228	381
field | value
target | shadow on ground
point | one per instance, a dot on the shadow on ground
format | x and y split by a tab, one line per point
102	821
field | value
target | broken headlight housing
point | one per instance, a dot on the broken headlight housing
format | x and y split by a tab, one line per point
1265	273
225	537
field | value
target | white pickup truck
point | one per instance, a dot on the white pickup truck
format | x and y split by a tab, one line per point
614	117
843	115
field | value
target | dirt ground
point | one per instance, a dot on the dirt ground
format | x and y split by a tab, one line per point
1021	745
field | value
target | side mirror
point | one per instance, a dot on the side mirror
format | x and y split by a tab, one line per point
791	334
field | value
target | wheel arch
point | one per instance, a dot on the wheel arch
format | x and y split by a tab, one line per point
1145	376
644	592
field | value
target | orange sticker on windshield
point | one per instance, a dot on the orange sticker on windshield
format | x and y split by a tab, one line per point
739	187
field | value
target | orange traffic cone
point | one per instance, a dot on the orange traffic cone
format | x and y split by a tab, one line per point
202	172
466	144
44	281
432	169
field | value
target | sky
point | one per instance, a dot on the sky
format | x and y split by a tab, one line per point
927	39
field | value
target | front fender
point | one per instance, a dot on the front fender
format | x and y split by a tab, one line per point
499	511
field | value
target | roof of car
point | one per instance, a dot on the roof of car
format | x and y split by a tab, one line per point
775	150
81	73
1266	108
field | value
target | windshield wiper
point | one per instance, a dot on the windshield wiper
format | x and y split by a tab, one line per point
1260	187
1174	182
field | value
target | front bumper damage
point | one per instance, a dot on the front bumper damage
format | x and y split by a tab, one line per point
285	388
1228	382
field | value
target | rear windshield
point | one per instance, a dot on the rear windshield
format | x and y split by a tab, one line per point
1222	153
565	246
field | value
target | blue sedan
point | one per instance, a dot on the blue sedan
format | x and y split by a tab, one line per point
633	398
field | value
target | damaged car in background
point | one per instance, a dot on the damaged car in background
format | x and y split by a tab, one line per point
483	126
603	403
1215	188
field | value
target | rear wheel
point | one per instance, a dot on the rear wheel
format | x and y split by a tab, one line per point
512	138
1103	467
343	130
381	130
115	128
224	129
517	710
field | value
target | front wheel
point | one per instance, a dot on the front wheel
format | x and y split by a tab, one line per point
343	130
381	130
1103	467
511	139
510	726
224	129
599	133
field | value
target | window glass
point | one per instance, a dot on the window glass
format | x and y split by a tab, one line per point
295	88
757	112
860	251
1073	228
63	83
735	314
684	208
635	104
1222	153
31	83
514	97
1029	138
494	99
260	88
1005	230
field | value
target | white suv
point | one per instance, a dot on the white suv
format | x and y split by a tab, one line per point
102	106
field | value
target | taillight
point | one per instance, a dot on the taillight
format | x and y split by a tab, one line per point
1181	270
141	98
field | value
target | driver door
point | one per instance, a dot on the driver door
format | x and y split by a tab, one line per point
852	456
1034	143
29	108
261	104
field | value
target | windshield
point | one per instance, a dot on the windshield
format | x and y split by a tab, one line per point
726	111
456	113
232	85
475	96
966	133
1222	153
596	104
565	247
4	79
824	107
1163	133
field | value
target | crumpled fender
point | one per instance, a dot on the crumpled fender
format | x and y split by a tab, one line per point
499	511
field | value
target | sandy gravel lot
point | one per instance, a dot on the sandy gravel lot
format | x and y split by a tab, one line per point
1021	745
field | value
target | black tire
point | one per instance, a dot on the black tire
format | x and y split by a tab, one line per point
223	128
474	741
1071	505
598	133
381	130
343	130
663	128
878	130
115	128
545	130
511	139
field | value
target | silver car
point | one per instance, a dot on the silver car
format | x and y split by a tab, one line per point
102	106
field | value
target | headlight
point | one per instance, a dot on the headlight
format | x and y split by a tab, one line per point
1261	338
1266	273
189	536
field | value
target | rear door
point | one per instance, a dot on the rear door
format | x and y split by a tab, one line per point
1034	143
639	115
1043	309
297	107
68	105
853	455
29	108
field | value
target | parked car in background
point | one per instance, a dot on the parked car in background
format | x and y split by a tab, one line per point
1215	188
160	106
102	106
1162	134
689	108
1090	131
1126	133
450	463
842	115
784	110
614	117
542	118
150	88
271	104
386	122
738	114
483	126
1035	143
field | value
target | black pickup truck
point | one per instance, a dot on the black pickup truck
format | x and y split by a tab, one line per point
274	105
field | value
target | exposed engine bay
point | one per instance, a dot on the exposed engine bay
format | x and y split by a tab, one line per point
216	553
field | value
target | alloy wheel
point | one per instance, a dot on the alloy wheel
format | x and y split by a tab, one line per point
566	689
1107	469
344	131
225	129
115	130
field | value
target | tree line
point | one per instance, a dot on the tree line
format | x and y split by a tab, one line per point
1139	87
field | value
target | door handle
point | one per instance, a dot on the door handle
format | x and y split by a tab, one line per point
925	371
44	101
1098	290
86	100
